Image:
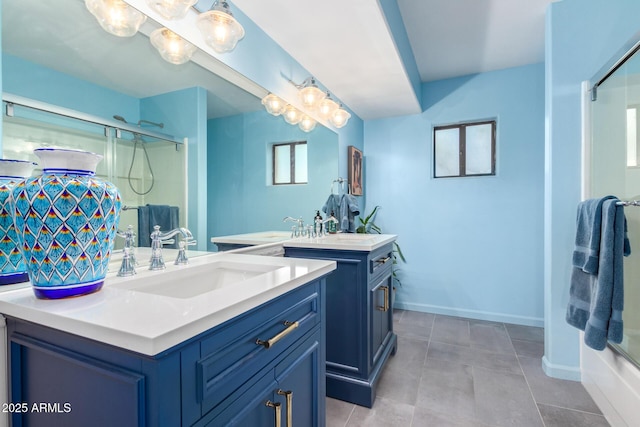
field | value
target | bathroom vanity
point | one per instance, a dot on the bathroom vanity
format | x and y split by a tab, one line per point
360	337
226	339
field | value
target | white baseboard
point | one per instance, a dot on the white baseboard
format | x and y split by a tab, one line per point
472	314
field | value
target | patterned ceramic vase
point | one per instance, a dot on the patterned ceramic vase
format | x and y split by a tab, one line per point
66	221
12	266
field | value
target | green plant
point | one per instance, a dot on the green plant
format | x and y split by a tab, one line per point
367	226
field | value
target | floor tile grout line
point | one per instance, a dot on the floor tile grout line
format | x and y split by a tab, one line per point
571	409
533	398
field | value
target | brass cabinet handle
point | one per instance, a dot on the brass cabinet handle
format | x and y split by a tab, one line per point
289	396
386	297
385	306
383	261
277	409
291	326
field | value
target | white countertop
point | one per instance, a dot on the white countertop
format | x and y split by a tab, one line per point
258	238
150	323
342	241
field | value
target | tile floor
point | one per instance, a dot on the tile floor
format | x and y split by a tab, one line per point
451	371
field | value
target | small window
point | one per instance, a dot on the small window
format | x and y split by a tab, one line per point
467	149
290	163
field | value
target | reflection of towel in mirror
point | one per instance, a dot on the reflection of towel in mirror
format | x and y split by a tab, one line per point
596	299
349	209
167	217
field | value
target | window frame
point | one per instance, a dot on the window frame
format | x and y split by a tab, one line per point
292	162
462	151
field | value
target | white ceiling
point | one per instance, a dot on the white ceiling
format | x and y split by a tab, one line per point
347	45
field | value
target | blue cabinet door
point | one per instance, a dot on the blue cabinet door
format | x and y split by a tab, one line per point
301	385
381	312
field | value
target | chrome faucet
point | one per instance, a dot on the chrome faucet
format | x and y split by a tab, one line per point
158	239
296	230
127	268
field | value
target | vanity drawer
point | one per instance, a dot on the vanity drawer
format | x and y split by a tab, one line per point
228	360
380	262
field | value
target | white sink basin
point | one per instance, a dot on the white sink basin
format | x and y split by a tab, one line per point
193	281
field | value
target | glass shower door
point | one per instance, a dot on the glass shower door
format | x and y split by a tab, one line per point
615	169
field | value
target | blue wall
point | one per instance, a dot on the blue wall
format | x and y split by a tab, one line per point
474	246
240	197
581	36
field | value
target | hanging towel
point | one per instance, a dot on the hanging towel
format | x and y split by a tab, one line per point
332	205
585	254
596	300
349	209
167	217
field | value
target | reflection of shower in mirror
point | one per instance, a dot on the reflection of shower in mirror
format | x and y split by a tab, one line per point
137	140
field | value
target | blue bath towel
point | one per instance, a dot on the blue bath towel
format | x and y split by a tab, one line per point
585	254
332	205
167	217
596	300
349	209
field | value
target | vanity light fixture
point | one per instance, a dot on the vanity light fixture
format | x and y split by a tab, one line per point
116	17
273	104
219	28
171	9
310	94
327	107
307	124
340	117
172	47
291	115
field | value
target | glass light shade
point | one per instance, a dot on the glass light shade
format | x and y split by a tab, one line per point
172	47
171	9
116	17
307	123
273	104
291	115
326	108
340	117
219	28
311	96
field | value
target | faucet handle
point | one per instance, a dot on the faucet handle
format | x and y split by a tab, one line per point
182	259
128	265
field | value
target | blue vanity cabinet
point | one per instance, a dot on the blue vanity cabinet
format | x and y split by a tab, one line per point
224	376
360	337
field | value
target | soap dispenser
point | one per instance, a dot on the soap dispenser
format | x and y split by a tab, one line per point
317	223
332	228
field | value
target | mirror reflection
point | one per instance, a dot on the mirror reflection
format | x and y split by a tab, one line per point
56	53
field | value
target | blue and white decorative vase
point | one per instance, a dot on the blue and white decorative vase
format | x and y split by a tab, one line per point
12	266
66	220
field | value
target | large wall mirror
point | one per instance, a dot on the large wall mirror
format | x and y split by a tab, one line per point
57	54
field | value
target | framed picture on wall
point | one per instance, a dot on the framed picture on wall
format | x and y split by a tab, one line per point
355	170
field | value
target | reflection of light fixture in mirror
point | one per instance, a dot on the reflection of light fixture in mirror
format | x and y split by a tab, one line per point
340	117
273	104
219	28
307	123
310	94
172	47
291	115
116	17
171	9
326	107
